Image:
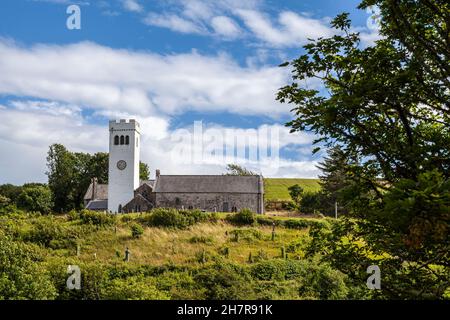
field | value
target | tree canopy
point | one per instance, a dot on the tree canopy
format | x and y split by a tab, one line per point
389	104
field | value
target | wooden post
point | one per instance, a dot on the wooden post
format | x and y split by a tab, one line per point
335	209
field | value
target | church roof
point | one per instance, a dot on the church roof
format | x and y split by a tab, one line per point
208	184
97	205
102	190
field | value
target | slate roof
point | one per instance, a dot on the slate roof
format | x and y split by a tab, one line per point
102	190
97	205
208	184
101	193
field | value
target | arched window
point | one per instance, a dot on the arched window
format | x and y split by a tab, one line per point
122	140
127	140
116	140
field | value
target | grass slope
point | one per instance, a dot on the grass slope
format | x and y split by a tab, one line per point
277	188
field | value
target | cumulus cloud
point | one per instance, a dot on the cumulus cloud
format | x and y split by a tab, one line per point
132	5
225	26
292	29
141	83
42	123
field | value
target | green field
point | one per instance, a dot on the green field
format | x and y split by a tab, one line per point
277	188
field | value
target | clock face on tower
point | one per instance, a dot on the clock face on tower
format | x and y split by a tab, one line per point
121	165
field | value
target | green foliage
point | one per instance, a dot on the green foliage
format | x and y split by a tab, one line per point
224	281
237	170
4	201
100	219
296	193
133	288
144	171
20	276
10	191
201	239
173	218
38	199
245	234
243	217
388	104
136	230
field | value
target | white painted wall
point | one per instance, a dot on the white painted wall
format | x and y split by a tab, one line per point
122	183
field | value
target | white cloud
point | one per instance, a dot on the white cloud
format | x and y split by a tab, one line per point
27	132
225	26
173	22
292	30
139	83
132	5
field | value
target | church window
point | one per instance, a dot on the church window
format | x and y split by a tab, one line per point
127	140
116	140
122	140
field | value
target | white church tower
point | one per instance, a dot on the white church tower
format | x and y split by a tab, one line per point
124	150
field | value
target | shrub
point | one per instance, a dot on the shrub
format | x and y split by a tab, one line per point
224	281
296	224
44	231
245	234
136	230
133	288
97	218
73	215
170	218
36	198
201	239
21	277
243	217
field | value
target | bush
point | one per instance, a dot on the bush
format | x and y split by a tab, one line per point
97	218
37	198
21	277
169	218
201	239
243	217
224	281
136	230
172	218
73	215
44	231
245	234
133	288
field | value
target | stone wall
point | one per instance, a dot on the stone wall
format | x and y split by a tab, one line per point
226	202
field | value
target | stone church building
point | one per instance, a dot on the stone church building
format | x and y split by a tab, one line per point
126	193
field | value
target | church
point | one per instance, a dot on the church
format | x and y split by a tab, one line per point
126	193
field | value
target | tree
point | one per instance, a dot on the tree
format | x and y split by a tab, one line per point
61	177
336	177
10	191
144	171
296	193
237	170
38	199
389	104
70	173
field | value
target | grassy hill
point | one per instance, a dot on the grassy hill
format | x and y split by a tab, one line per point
210	257
277	188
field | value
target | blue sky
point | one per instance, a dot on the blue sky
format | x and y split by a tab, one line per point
165	63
